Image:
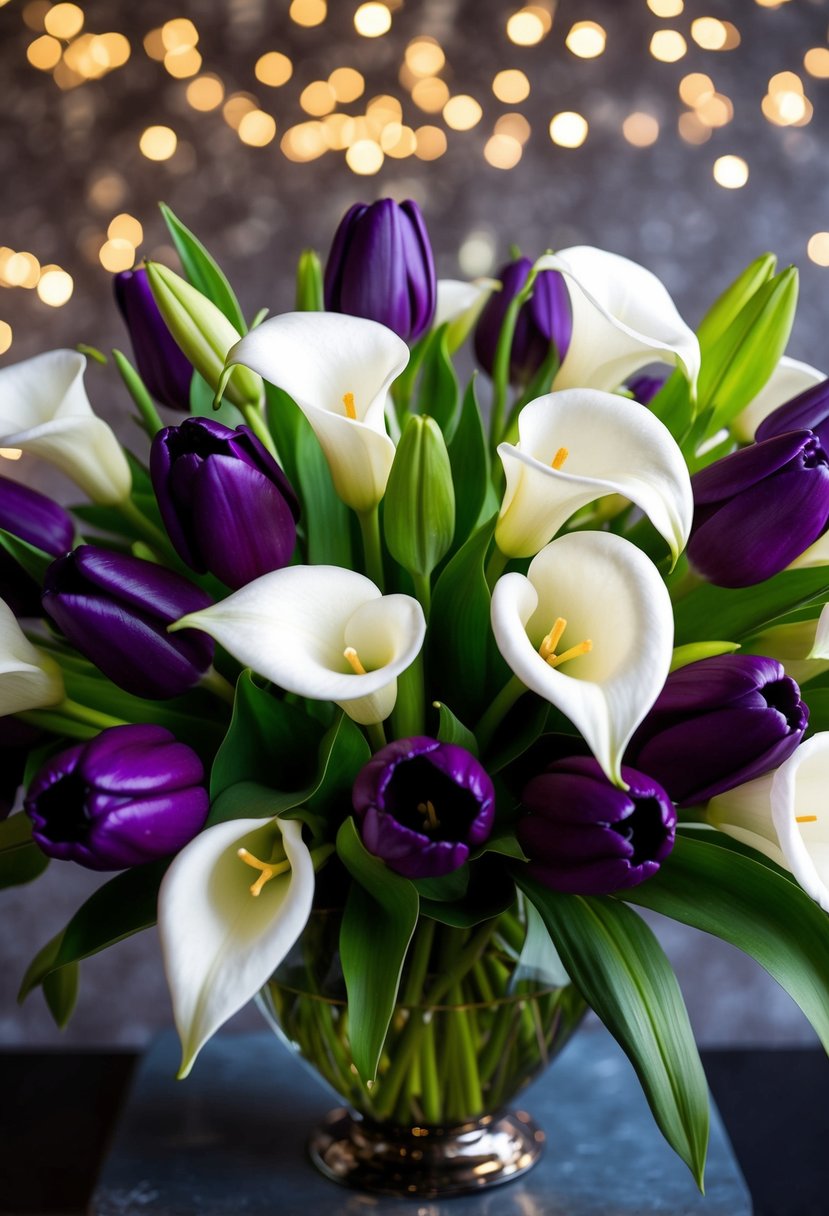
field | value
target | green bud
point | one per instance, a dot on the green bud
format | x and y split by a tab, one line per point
694	651
309	296
420	498
203	332
725	309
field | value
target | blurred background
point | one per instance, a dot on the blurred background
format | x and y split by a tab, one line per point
688	136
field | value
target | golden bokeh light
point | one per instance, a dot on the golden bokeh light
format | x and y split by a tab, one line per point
107	190
709	33
55	286
372	20
816	62
543	12
6	336
339	131
308	12
154	45
115	46
431	94
666	8
818	248
731	172
525	28
462	112
5	254
384	109
257	129
44	52
515	126
183	62
568	129
117	255
318	98
715	111
179	34
34	14
586	39
431	143
511	86
347	84
236	107
695	88
157	143
732	37
365	157
785	82
306	141
668	46
398	140
63	21
205	92
692	129
21	270
502	151
424	57
126	228
640	129
273	69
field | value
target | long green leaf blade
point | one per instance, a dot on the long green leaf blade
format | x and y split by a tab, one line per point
202	269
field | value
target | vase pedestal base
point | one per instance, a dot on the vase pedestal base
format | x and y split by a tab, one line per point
425	1162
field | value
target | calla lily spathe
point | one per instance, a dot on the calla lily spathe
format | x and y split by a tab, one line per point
579	445
44	410
220	941
310	629
29	679
788	380
459	304
784	815
598	595
338	369
623	319
801	646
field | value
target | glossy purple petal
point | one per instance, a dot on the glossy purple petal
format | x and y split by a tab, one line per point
162	366
546	319
808	411
35	518
645	387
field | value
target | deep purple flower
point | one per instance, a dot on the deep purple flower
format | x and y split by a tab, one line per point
645	387
808	411
717	723
130	795
381	267
115	609
422	805
40	522
225	502
584	836
546	319
758	509
164	369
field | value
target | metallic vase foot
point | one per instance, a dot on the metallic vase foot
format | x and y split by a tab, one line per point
425	1162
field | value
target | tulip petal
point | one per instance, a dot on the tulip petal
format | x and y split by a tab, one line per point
613	446
610	593
623	319
220	943
788	380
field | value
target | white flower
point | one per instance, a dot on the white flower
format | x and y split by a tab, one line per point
44	410
29	679
338	369
579	445
460	303
801	646
623	319
321	632
784	815
590	629
227	921
789	379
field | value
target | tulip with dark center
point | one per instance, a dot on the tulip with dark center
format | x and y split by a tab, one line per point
422	805
226	504
130	795
115	609
381	267
718	723
808	411
758	509
40	522
545	320
584	836
166	372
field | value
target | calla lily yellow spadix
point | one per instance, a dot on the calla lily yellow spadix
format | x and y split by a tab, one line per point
577	446
29	679
310	629
326	361
610	595
221	936
44	411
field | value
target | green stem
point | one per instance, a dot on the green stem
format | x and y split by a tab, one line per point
423	591
495	567
372	548
467	1064
376	735
430	1084
215	682
252	415
419	964
146	528
87	715
150	417
497	711
503	351
71	719
409	713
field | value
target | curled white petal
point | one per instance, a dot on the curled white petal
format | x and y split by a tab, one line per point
788	379
29	679
612	446
801	646
460	303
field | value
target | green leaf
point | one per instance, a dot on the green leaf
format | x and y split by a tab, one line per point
284	419
21	860
523	725
621	971
450	730
438	390
379	919
737	613
754	907
33	560
325	515
818	701
202	270
60	988
448	887
490	892
469	458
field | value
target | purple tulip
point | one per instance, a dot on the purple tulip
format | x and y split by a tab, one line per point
421	805
166	372
717	723
584	836
226	504
758	509
645	387
546	319
40	522
115	610
130	795
381	267
808	411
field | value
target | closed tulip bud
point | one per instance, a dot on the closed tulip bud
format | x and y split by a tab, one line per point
163	368
718	723
545	320
115	610
584	836
759	509
309	296
39	521
381	267
808	411
420	498
727	307
225	502
202	332
130	795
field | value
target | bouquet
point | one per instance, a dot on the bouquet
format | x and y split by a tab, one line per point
346	667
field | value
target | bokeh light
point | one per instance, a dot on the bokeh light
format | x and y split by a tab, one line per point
158	143
818	248
273	69
511	86
568	129
641	129
730	172
205	92
55	286
462	112
308	12
668	46
586	39
372	21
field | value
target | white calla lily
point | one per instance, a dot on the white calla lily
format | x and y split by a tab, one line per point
338	369
322	632
29	679
788	379
785	816
623	319
227	919
590	629
801	646
578	445
44	410
459	304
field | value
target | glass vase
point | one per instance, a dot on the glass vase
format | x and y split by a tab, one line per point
472	1027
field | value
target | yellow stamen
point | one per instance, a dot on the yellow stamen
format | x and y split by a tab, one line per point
553	638
270	869
560	457
427	809
555	660
805	818
353	659
350	409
